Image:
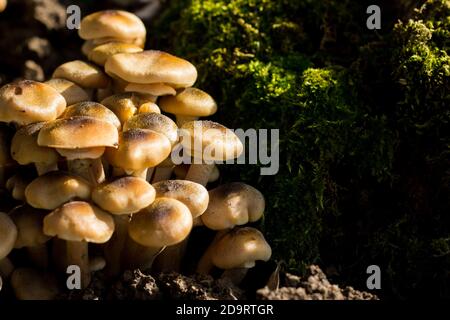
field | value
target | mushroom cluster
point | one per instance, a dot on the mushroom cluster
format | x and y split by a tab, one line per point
87	157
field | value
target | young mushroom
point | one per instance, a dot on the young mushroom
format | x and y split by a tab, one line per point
30	284
79	223
8	236
84	74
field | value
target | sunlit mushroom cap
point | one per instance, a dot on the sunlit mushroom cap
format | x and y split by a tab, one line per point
94	110
72	92
156	122
101	53
126	105
85	74
189	102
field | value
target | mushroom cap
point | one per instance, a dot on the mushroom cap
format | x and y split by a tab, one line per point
82	153
210	141
149	107
78	132
3	4
55	188
29	101
189	102
101	53
82	73
233	204
25	149
164	223
72	92
90	45
126	105
29	222
156	122
8	235
152	66
30	284
17	184
125	195
79	221
156	89
240	248
193	195
111	23
94	110
139	149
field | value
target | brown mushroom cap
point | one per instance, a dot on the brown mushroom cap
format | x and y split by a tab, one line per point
210	141
78	132
240	248
111	23
79	221
3	4
94	110
125	195
82	73
25	149
156	122
189	102
233	204
101	53
29	222
149	107
193	195
29	101
8	235
30	284
139	149
72	92
126	105
156	89
55	188
152	67
164	223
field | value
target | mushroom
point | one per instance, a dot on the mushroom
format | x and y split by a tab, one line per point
30	284
8	236
165	222
3	4
101	53
235	251
79	223
29	222
207	142
121	198
72	92
25	149
149	107
188	105
156	89
84	74
17	184
164	170
27	101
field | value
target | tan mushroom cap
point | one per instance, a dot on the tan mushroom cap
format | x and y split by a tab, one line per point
94	110
193	195
156	89
82	153
149	107
55	188
3	4
164	223
189	102
125	195
210	141
101	53
29	101
90	45
152	66
111	23
233	204
25	149
72	92
156	122
8	235
139	149
240	248
85	74
30	284
126	105
17	184
78	132
79	221
29	222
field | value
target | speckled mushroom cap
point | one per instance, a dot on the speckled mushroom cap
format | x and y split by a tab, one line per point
189	102
156	122
29	222
193	195
152	66
156	89
111	24
72	92
233	204
85	74
101	53
77	132
164	223
27	101
55	188
8	235
125	195
25	149
126	105
79	221
94	110
240	248
139	149
209	141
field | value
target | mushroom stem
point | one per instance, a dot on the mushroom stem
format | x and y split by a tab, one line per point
139	256
149	175
6	267
205	264
170	259
58	252
180	120
39	255
162	173
118	172
43	168
77	254
235	275
199	173
138	173
90	169
115	247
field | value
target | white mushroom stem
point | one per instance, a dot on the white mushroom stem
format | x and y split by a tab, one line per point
77	254
180	120
39	255
116	245
235	275
90	169
162	173
43	168
200	173
6	268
